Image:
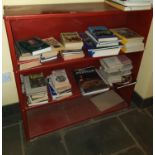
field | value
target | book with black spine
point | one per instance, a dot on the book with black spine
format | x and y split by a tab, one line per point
89	81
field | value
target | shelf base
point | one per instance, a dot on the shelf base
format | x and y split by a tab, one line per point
54	117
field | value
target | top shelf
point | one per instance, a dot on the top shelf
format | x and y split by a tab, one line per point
56	9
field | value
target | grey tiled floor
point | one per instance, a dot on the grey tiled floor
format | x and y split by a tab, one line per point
129	132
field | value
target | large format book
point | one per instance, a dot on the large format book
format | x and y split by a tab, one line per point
132	41
127	8
106	100
71	40
111	62
34	46
127	35
34	83
101	33
89	81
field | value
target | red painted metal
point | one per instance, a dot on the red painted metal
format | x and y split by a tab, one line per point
41	119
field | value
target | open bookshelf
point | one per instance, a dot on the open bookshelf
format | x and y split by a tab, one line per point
50	20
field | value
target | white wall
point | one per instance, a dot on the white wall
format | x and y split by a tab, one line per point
144	86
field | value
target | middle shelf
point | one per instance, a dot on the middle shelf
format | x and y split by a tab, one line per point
53	83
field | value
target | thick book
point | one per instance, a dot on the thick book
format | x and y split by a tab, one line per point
34	46
71	40
60	79
89	81
127	8
34	83
101	33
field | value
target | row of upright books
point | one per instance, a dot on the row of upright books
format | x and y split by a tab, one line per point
129	5
96	41
114	71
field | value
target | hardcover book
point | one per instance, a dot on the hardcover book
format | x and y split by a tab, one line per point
89	81
71	40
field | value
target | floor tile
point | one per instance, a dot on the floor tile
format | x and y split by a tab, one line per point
45	145
133	151
103	137
150	110
11	119
11	140
141	127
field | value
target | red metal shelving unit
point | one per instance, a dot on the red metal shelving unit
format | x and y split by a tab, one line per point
50	20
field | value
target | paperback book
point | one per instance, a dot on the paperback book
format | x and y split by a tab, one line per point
101	33
34	83
34	46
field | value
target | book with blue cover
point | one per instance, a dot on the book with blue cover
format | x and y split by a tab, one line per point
101	33
98	51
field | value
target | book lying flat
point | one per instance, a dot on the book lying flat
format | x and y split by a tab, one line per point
127	8
71	40
101	33
127	35
89	81
106	100
133	2
34	45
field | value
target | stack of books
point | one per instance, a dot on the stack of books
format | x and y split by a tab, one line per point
129	5
59	85
35	88
34	51
116	69
72	45
53	54
89	81
132	42
100	41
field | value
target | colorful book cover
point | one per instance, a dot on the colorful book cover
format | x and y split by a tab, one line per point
101	33
88	80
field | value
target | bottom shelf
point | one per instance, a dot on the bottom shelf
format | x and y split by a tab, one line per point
53	117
